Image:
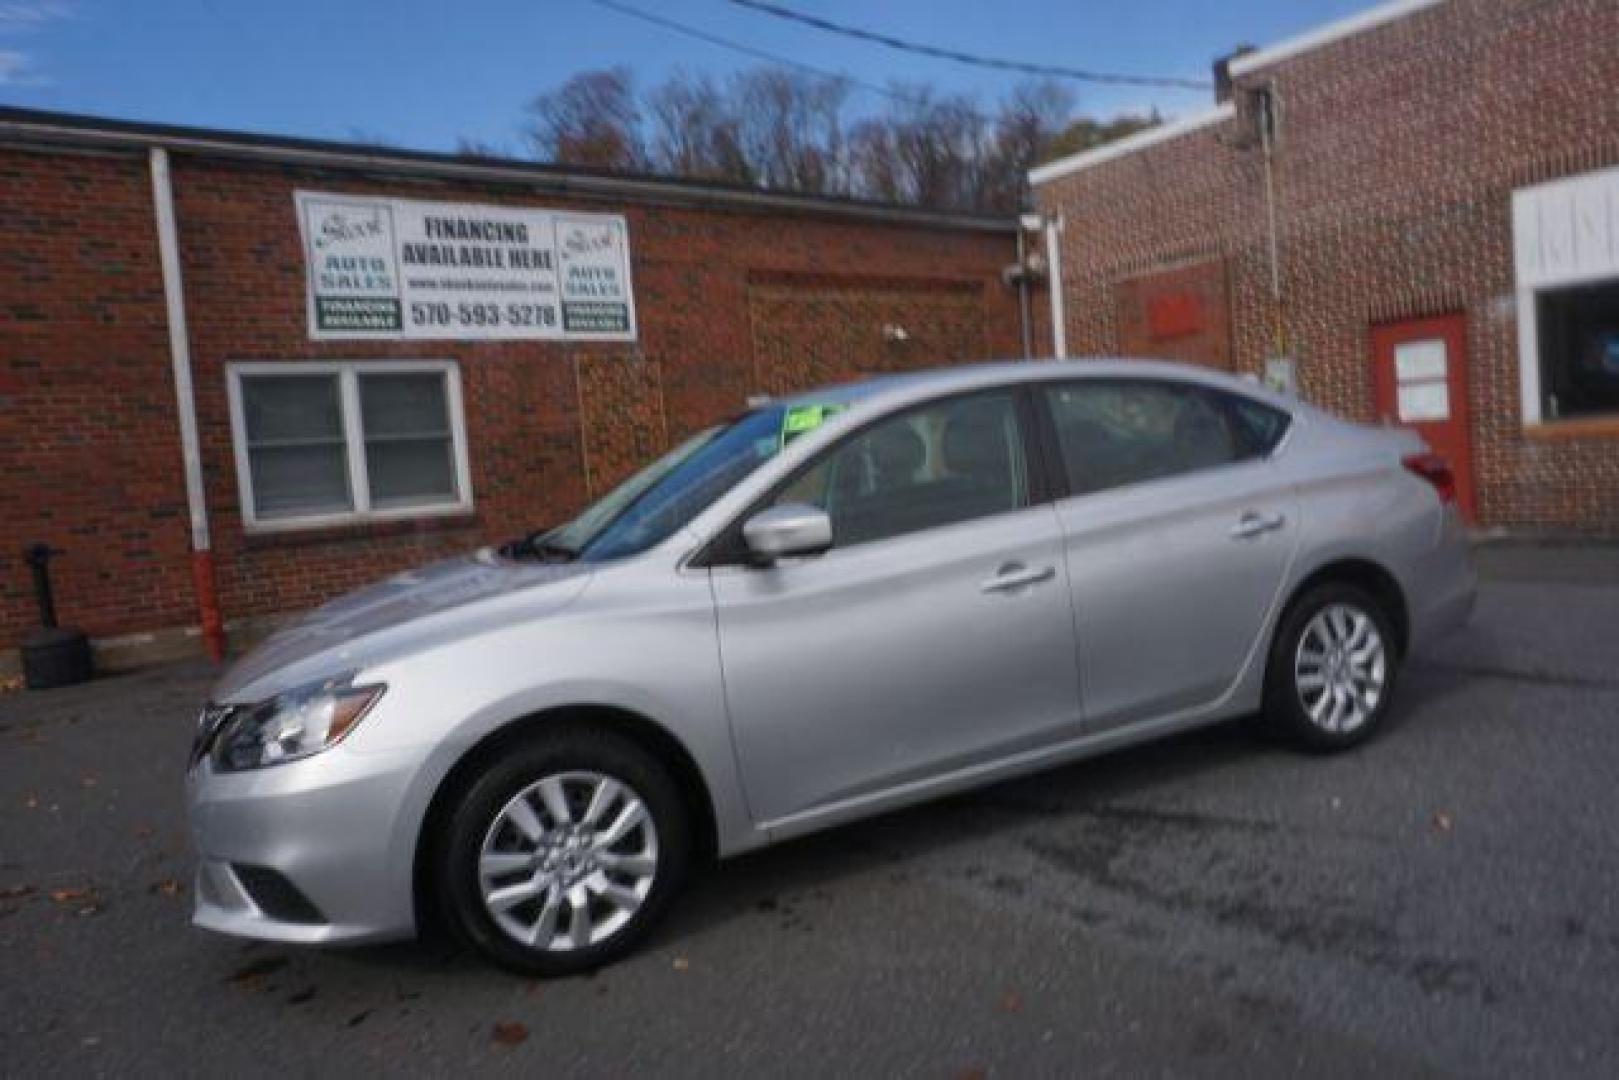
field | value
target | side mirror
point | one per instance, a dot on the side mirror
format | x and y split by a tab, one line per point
781	531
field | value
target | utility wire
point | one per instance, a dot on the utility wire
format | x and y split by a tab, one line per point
1050	70
748	50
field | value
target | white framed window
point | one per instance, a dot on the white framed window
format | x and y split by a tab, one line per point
1565	236
338	442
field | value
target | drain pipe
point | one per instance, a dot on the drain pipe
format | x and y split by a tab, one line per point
1059	329
202	555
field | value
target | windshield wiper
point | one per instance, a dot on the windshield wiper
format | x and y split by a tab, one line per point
535	545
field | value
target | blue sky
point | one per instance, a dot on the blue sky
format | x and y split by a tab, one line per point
419	73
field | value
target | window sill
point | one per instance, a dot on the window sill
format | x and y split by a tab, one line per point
1584	427
292	535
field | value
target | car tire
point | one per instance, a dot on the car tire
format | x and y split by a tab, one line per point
1332	669
510	869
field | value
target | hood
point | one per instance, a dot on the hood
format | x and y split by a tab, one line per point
391	617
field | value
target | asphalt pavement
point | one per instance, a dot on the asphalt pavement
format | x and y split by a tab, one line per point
1442	901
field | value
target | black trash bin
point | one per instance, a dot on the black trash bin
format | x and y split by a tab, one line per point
52	655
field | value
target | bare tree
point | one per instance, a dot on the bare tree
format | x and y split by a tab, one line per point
696	131
1031	117
470	146
791	128
1087	133
783	129
938	145
874	164
592	119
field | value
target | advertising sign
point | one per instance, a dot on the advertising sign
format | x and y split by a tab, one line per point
398	268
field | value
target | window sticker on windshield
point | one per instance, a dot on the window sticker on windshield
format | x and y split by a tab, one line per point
803	419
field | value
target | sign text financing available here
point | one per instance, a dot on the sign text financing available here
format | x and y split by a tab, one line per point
398	268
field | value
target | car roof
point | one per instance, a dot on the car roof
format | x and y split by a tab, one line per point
902	387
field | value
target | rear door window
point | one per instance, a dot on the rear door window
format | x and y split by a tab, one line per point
1112	433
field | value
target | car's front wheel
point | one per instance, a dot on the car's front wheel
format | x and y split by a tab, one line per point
562	855
1332	669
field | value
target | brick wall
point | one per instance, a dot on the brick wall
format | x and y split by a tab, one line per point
89	458
87	416
1400	147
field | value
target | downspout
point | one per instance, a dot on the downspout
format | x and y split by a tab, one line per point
1023	314
202	556
1267	139
1059	329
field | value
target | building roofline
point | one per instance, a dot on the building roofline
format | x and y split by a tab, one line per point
32	126
1052	170
1331	32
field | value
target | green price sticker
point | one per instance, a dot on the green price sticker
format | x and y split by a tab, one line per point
803	419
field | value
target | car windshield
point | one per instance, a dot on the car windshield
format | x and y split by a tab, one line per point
660	499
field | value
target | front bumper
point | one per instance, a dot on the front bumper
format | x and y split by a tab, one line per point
336	828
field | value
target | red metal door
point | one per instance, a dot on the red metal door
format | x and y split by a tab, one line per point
1419	376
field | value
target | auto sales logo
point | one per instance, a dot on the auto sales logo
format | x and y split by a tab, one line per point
340	226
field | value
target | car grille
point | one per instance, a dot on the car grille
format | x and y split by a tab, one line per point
277	897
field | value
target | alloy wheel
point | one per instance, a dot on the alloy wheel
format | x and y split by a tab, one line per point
568	861
1340	669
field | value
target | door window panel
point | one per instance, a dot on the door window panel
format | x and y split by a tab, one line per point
1113	433
945	463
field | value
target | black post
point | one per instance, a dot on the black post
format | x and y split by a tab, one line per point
38	557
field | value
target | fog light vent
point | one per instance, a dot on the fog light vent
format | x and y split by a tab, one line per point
276	896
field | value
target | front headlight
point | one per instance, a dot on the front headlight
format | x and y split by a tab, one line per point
290	726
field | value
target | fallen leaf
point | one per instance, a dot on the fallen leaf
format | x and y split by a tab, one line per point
16	892
508	1032
168	887
253	973
681	963
88	781
71	896
1443	821
31	802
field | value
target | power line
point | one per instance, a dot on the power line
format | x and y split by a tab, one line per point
1050	70
748	50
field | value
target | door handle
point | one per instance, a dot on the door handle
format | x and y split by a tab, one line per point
1016	576
1254	523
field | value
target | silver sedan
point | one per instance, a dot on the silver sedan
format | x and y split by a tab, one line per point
825	608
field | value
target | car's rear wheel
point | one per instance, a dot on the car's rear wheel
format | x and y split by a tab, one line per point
1332	669
562	855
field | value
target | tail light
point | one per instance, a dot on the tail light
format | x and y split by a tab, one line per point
1435	470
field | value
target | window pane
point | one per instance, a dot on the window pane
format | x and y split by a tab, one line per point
934	466
291	409
1579	350
403	405
1116	433
410	472
1257	426
290	481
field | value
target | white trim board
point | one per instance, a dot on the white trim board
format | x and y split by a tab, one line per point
1131	143
1326	35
